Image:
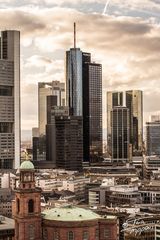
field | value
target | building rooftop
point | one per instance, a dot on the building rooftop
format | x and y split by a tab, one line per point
6	223
69	213
27	165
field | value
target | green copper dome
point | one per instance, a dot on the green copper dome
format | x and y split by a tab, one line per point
69	213
27	165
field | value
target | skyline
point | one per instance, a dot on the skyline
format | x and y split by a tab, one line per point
125	41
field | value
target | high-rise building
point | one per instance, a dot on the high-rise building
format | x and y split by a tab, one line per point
52	111
54	88
84	98
153	138
49	94
92	111
10	99
120	133
65	134
114	99
75	60
134	102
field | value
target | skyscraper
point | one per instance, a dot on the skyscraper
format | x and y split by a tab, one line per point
66	135
10	99
134	102
92	111
120	133
55	93
75	60
114	99
51	143
153	138
54	88
84	98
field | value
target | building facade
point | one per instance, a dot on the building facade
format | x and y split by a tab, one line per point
120	133
153	138
26	207
54	88
84	98
92	111
10	99
114	99
134	102
68	138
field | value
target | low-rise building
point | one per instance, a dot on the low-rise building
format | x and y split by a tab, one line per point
150	164
6	228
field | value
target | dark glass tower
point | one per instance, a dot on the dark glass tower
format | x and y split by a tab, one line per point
68	145
120	133
92	111
153	138
114	99
84	98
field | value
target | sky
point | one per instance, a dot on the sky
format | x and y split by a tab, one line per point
122	35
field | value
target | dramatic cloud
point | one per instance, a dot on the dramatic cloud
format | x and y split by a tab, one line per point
127	46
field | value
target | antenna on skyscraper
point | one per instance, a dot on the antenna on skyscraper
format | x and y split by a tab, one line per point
74	35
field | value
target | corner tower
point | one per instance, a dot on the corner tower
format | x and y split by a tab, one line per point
27	210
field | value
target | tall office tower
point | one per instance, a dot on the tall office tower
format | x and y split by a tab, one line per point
84	98
75	60
153	138
114	99
120	133
10	99
92	111
67	142
52	111
134	102
45	89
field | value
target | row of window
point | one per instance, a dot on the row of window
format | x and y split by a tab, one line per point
71	235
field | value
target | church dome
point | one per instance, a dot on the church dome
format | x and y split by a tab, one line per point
27	165
69	213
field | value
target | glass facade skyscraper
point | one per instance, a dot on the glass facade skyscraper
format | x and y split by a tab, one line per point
84	98
120	133
92	111
10	99
134	102
75	60
153	138
114	99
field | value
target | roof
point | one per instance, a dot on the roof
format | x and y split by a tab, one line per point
69	213
27	165
6	223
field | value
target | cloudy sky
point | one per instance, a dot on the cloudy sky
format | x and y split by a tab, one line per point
122	35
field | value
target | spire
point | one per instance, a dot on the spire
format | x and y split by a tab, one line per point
74	35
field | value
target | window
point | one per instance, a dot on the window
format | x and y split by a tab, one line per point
56	236
31	232
31	206
18	205
85	235
106	232
70	235
45	234
97	234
